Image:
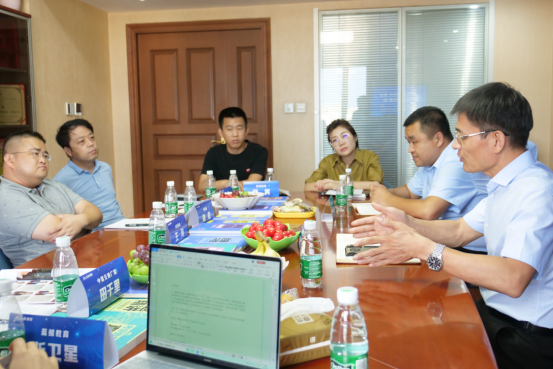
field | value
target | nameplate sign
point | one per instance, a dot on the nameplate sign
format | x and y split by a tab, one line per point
201	212
267	188
76	343
176	230
99	288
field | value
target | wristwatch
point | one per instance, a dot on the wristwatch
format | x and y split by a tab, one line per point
434	260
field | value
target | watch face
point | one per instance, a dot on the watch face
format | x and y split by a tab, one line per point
434	263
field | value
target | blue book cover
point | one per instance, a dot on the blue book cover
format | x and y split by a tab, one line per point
216	243
218	229
258	209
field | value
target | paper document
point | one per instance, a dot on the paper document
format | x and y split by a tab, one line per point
38	309
366	209
345	239
356	192
139	224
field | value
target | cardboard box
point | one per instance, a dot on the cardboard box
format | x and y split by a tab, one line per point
304	338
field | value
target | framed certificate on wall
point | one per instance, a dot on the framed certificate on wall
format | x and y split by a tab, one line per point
12	105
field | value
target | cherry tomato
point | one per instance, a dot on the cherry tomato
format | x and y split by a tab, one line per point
277	230
277	223
282	227
271	231
254	226
277	237
250	234
266	232
268	222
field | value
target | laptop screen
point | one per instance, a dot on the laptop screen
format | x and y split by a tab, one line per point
221	308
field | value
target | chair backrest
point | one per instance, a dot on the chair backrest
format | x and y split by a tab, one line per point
5	263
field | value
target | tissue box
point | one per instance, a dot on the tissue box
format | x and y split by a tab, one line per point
304	338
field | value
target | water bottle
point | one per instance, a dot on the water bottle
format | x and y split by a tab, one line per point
234	183
210	188
189	196
171	202
64	272
341	195
11	320
311	256
349	345
270	175
156	228
349	185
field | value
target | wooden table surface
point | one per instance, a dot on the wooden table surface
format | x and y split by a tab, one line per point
415	318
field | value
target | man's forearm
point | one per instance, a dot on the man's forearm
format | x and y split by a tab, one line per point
93	217
222	183
366	185
447	232
402	192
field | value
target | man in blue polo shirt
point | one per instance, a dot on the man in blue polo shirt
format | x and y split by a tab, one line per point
84	174
440	189
516	219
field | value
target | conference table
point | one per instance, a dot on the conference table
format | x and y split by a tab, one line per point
416	318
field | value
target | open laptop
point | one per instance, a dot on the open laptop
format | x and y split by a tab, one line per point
209	309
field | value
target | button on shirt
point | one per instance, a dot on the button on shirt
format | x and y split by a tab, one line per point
22	209
96	187
517	221
447	180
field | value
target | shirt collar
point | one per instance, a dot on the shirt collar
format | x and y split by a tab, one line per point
513	169
6	182
358	157
80	170
443	155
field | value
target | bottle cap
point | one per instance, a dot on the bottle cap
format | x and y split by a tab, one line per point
209	172
5	286
157	205
348	170
171	183
310	224
189	183
233	172
342	176
348	296
270	170
63	241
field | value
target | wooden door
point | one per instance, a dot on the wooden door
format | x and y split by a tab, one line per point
184	79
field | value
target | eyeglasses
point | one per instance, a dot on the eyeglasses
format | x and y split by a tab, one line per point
36	154
343	137
459	138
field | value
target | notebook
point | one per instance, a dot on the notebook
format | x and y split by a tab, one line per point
211	309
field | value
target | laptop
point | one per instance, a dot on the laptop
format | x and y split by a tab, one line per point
210	309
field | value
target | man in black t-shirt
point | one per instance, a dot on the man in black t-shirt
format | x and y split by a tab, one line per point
247	158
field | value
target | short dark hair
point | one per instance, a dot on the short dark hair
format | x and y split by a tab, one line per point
432	121
18	136
232	112
64	131
341	123
498	106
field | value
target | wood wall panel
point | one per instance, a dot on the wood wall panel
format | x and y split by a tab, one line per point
162	176
246	80
165	95
195	175
201	85
181	146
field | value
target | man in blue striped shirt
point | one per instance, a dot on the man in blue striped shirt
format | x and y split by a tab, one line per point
516	219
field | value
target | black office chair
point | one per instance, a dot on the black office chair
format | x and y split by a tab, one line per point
5	263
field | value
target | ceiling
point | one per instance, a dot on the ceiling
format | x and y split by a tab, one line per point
114	6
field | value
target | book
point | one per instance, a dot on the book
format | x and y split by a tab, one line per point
136	291
216	243
344	240
239	218
260	210
217	229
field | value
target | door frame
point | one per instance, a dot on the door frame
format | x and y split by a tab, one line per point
133	30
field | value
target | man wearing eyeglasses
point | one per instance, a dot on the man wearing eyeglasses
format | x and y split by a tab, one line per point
35	210
516	219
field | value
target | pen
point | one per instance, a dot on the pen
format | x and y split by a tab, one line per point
137	225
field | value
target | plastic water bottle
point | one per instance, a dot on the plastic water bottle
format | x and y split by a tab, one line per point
311	256
156	229
234	183
270	175
189	196
64	272
349	345
341	195
349	185
171	202
11	320
210	188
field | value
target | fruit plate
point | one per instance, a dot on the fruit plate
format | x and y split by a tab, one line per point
275	245
310	214
140	278
238	203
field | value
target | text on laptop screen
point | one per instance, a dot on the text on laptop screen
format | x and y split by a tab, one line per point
219	307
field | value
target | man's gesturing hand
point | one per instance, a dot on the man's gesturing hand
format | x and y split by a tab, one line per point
365	227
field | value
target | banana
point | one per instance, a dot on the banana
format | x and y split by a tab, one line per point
263	247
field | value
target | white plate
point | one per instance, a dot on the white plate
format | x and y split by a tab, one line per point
238	203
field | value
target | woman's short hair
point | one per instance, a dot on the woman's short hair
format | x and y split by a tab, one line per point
341	123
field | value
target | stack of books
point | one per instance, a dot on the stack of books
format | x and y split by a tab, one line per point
216	243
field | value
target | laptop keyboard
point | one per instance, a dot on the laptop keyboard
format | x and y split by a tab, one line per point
145	363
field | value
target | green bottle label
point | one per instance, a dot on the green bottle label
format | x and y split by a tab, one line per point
311	269
156	237
210	191
341	200
171	207
62	287
348	362
188	206
350	190
6	339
